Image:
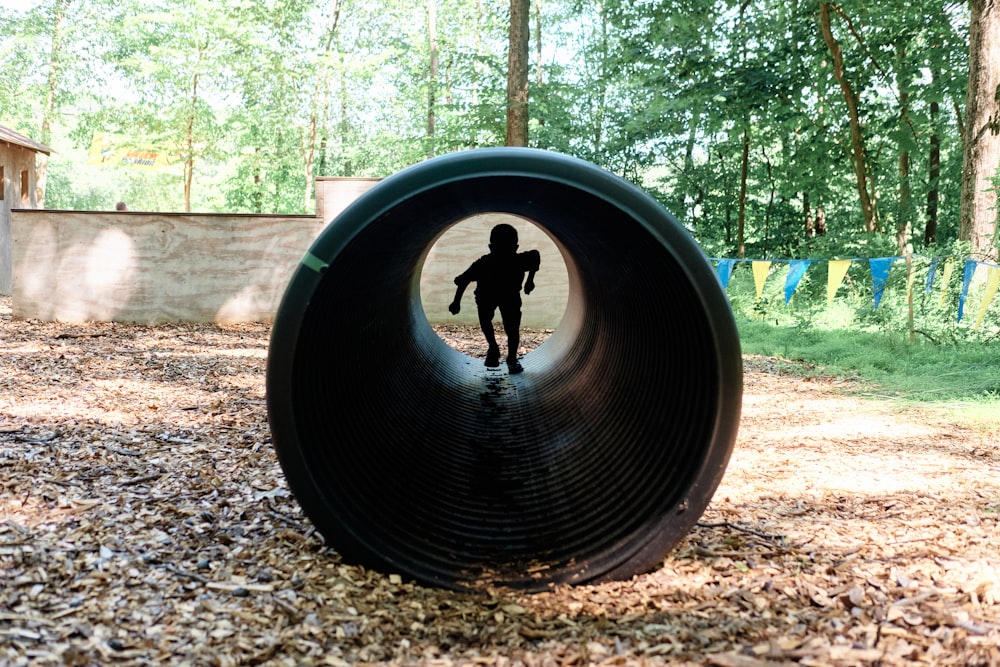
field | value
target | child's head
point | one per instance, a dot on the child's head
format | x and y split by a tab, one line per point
503	239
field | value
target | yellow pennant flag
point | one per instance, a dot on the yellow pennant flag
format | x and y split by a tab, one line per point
837	271
992	282
949	266
760	270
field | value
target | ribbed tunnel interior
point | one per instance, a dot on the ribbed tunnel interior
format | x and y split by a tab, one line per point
592	464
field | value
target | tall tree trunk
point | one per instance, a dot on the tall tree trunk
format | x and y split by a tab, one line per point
517	74
726	198
807	216
741	216
904	223
51	89
770	199
745	157
257	196
851	99
538	43
977	217
189	137
933	172
319	103
692	189
598	107
432	73
347	166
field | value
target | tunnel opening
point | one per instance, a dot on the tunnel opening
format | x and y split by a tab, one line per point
411	457
455	249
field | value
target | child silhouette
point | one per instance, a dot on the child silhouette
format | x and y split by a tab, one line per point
498	278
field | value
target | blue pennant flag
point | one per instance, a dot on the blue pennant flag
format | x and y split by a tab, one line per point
931	274
725	271
880	275
967	273
796	269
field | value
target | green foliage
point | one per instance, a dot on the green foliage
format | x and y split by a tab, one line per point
883	362
257	98
946	360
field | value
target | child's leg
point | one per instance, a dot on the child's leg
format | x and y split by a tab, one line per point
511	314
486	324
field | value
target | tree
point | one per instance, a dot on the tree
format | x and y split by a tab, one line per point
316	121
858	154
51	93
726	111
177	59
517	74
981	140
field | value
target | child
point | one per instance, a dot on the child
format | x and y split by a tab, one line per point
498	277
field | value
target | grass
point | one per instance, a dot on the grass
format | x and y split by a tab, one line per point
961	379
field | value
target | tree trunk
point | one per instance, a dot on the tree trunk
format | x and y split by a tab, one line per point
933	173
597	117
347	166
538	44
320	97
51	88
692	188
517	74
904	224
726	198
432	73
851	98
977	218
189	139
770	200
807	216
742	215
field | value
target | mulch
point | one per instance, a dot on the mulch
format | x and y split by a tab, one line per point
144	520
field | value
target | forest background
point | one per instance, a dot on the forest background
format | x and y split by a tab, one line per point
788	129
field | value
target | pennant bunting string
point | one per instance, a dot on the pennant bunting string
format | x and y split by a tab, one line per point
838	269
725	271
760	270
967	273
796	269
949	267
939	270
880	267
992	282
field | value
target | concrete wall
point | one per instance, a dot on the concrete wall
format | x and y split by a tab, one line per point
14	160
75	266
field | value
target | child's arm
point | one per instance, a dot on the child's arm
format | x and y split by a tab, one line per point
462	282
532	261
456	304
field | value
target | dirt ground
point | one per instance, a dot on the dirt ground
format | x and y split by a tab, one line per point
144	520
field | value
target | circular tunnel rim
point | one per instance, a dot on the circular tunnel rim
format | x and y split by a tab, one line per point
546	166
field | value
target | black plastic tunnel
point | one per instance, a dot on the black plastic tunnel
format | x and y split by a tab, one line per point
591	465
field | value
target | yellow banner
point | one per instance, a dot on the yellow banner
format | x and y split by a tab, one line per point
114	149
992	282
949	266
838	269
760	270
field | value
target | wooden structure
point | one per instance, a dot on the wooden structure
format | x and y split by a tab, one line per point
150	267
17	190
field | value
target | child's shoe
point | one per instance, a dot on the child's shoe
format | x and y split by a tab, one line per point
493	357
513	365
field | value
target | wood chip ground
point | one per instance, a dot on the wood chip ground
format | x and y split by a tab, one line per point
144	520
